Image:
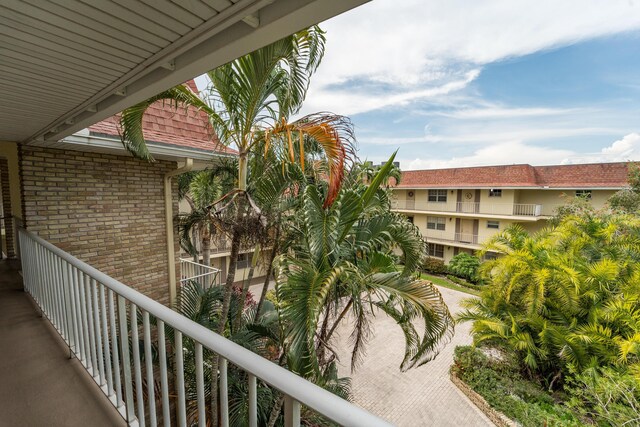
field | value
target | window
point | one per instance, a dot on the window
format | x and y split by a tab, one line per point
435	222
493	224
244	260
437	195
410	219
585	194
436	250
495	193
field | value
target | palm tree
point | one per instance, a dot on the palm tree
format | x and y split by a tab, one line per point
201	304
342	261
199	189
565	296
249	104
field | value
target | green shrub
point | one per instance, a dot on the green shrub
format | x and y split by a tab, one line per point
434	266
465	266
607	396
564	296
464	283
504	388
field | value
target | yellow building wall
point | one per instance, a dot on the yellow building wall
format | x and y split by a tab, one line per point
485	233
551	199
420	220
222	263
421	201
497	205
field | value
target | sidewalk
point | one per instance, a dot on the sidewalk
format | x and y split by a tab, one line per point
424	396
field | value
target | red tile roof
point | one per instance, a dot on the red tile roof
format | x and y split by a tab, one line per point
595	175
165	124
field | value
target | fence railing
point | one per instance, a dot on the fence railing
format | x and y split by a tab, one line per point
108	327
466	238
451	237
203	274
521	209
517	209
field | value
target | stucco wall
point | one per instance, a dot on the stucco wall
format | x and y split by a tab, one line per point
551	199
106	210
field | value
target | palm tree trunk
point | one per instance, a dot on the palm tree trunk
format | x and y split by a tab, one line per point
245	289
226	302
242	171
206	246
267	278
337	322
275	412
194	240
320	348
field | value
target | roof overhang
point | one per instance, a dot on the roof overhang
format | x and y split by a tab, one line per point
65	66
88	143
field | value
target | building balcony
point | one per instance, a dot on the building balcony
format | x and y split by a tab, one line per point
525	211
132	351
442	236
205	275
41	384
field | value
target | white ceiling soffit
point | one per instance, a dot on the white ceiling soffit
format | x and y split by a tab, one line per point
66	64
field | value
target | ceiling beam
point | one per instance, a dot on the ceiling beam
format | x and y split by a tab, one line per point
224	38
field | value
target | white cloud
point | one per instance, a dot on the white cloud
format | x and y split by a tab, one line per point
474	135
497	154
414	44
498	112
622	150
413	40
515	152
348	102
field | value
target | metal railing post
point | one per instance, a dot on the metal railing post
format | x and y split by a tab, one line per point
81	302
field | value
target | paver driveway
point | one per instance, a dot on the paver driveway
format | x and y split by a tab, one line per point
420	397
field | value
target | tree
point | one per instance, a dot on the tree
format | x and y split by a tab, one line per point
342	261
249	104
201	304
628	199
565	297
200	189
466	266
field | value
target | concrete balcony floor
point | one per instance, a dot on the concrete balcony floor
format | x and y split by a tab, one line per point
39	384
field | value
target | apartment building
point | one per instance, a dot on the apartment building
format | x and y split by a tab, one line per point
458	209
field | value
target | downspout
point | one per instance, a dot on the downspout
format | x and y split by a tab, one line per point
168	222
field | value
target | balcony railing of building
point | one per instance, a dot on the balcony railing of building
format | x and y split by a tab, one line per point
102	321
509	209
203	274
219	246
456	237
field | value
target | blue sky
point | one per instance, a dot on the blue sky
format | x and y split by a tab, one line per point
463	83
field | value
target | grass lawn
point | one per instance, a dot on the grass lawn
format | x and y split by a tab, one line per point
445	283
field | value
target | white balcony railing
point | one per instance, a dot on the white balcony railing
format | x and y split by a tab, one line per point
517	209
449	237
98	317
466	238
508	209
203	274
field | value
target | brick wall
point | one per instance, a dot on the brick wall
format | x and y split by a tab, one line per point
106	210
